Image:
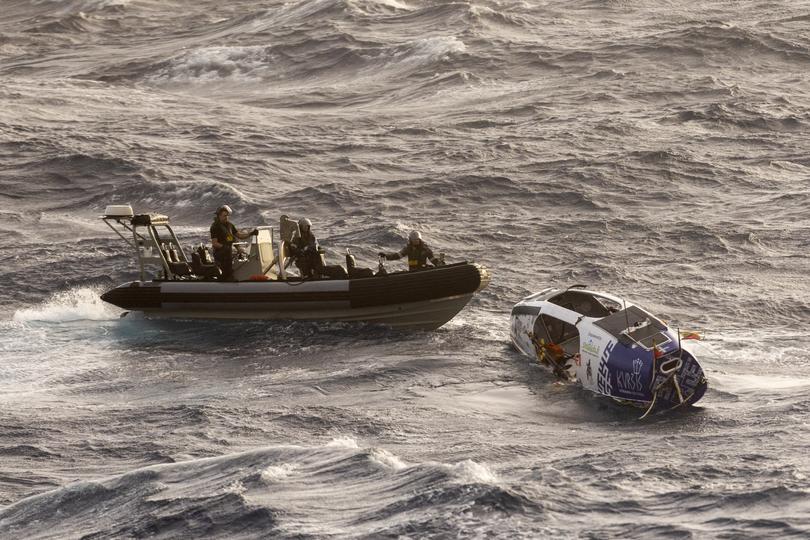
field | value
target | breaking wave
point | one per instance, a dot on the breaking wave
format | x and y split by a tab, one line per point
267	491
306	64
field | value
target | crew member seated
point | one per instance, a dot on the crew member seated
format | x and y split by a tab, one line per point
417	251
304	248
223	233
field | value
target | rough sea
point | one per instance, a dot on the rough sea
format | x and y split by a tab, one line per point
655	150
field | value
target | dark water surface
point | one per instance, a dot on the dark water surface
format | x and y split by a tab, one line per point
657	150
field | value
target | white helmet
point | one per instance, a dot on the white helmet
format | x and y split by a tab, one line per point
304	223
415	236
224	208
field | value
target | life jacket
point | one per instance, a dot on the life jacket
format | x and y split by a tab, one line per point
227	229
417	256
555	350
303	240
547	351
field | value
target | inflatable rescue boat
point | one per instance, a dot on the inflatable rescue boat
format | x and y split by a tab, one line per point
186	286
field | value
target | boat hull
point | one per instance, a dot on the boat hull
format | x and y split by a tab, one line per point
422	300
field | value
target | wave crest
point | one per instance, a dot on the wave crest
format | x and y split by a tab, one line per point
268	490
336	60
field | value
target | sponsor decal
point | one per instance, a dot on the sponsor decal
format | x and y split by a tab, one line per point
689	377
603	383
589	372
629	382
589	348
595	337
690	374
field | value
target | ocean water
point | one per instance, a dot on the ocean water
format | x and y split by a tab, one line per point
657	150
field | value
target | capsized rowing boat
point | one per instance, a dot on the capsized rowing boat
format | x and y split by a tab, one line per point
608	345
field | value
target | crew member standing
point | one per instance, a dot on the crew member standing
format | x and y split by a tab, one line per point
223	234
417	251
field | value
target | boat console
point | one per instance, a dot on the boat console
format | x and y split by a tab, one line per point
156	246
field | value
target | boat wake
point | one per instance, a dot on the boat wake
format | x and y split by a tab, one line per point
78	304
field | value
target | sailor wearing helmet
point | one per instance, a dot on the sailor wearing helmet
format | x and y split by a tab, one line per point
223	233
417	251
304	248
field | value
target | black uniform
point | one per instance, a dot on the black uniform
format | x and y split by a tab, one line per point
305	250
418	255
225	233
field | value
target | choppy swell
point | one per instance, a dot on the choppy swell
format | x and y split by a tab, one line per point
339	488
347	489
658	151
328	62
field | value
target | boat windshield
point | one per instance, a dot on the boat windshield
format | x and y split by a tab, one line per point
635	325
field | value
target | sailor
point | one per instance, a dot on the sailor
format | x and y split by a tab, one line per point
551	354
417	251
223	233
304	248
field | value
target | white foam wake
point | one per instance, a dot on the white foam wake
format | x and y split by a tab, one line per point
72	305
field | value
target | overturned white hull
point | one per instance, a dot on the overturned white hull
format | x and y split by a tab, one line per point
610	346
